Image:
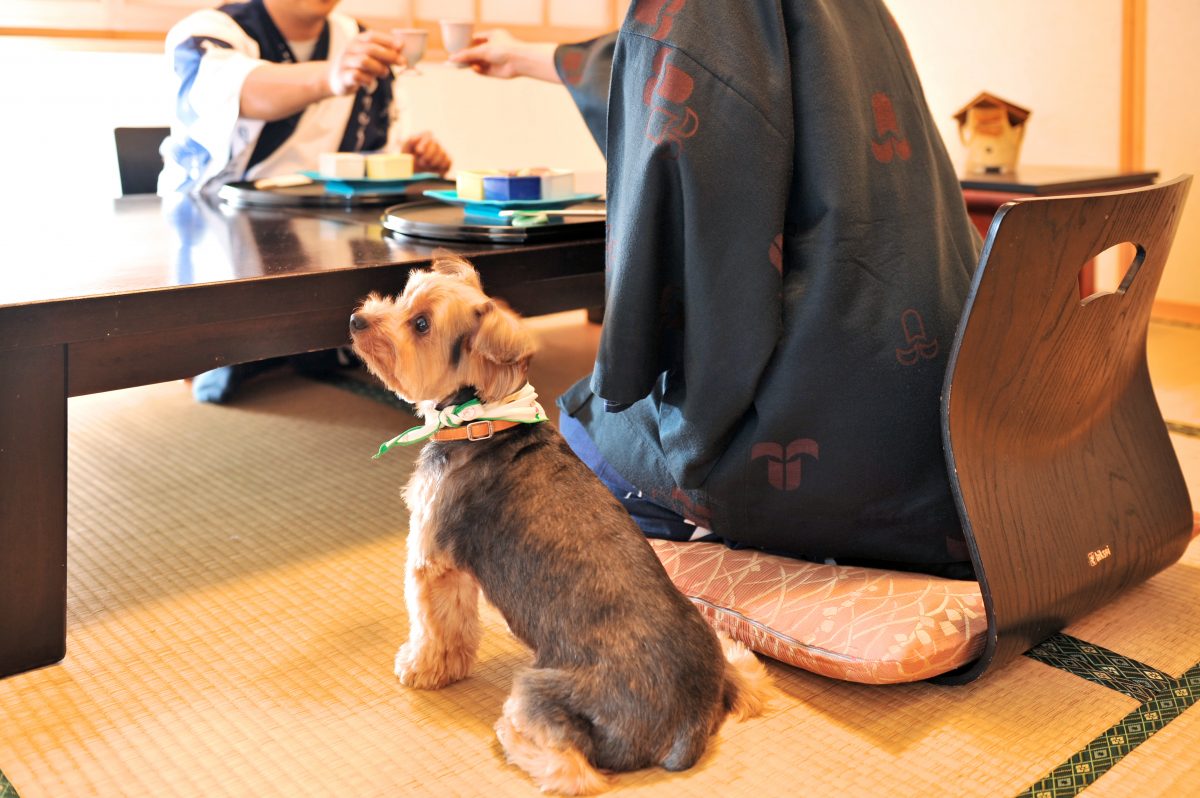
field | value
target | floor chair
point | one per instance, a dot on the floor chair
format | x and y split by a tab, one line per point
1066	481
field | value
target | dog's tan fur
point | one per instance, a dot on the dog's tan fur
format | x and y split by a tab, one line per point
452	299
627	674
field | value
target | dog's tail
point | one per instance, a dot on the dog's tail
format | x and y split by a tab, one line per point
748	687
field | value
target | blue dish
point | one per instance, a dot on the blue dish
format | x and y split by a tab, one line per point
354	185
492	208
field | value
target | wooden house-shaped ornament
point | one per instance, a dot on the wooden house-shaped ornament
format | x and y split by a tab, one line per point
991	129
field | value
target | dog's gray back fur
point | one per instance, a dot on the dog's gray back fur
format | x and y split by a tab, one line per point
623	661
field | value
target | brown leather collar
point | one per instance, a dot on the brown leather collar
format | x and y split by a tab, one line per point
475	431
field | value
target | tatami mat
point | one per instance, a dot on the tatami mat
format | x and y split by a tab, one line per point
1166	764
1168	638
236	600
1187	448
1174	356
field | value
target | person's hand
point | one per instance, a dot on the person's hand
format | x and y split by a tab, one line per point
497	54
491	53
368	57
428	155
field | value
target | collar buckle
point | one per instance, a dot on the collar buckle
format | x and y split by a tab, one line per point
487	427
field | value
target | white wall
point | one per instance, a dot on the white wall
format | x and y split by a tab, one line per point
79	95
1059	58
61	104
490	123
1062	60
1173	129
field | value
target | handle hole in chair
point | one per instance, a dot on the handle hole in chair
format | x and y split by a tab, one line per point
1112	271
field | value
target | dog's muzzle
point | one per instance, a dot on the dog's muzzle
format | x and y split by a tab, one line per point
358	323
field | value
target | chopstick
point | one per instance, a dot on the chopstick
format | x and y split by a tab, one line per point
568	212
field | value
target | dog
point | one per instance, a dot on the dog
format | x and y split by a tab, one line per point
626	672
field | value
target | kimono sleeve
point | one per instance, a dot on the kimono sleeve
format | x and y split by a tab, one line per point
700	148
586	71
210	56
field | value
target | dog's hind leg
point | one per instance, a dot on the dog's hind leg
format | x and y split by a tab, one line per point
748	687
542	735
443	634
689	746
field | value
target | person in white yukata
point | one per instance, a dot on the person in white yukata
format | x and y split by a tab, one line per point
262	88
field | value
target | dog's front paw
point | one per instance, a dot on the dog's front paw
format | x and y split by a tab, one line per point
426	669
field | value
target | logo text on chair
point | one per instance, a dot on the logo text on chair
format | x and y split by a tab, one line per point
1094	557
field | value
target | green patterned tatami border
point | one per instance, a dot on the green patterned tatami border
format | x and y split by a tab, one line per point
1179	428
6	788
1101	666
1101	754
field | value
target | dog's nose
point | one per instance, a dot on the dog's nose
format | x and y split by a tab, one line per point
358	323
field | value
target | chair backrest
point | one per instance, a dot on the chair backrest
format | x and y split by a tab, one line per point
1066	480
138	160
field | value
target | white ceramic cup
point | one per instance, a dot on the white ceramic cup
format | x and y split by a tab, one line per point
456	35
414	45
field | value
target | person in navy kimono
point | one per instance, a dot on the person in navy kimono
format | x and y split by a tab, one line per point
788	256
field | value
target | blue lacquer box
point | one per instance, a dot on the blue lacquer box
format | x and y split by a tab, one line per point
503	187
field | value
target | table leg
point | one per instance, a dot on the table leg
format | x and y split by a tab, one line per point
33	507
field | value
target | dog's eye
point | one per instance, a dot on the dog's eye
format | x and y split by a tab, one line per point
421	325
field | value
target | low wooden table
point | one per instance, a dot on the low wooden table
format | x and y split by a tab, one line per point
985	193
109	294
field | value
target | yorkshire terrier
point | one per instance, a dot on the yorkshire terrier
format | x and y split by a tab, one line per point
626	673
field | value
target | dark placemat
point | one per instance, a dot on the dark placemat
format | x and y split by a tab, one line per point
443	222
315	195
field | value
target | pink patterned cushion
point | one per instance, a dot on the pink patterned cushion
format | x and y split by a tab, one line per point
856	624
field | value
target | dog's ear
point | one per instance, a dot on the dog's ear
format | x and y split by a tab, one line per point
501	348
453	265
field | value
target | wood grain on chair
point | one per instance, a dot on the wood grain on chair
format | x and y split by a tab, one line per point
1067	483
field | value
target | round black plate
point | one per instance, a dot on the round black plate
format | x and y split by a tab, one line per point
444	222
314	195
